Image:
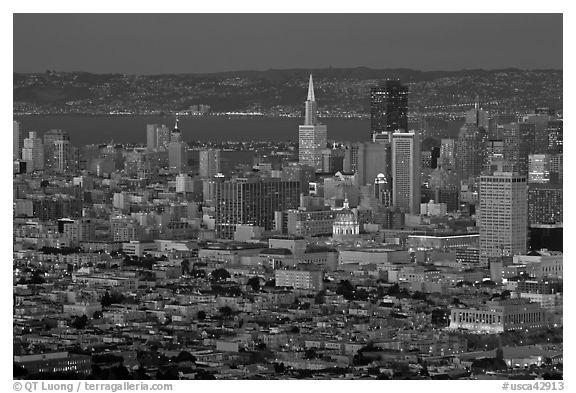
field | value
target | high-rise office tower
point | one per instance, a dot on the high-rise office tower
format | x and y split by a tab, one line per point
33	152
16	141
252	202
312	136
332	160
478	116
373	159
177	156
555	136
209	162
470	151
177	151
176	135
350	163
151	136
406	172
494	155
540	120
519	142
50	137
556	168
545	204
63	156
447	152
184	183
388	108
162	138
539	168
503	216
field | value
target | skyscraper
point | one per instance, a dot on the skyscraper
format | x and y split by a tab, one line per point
176	135
178	156
16	146
162	138
50	154
478	116
252	202
447	152
545	204
555	136
406	172
177	151
538	168
519	142
62	156
209	162
312	136
503	216
470	151
151	136
33	152
373	159
388	108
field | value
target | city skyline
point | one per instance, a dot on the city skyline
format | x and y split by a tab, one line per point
426	42
169	227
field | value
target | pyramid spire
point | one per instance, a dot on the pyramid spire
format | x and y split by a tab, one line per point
311	90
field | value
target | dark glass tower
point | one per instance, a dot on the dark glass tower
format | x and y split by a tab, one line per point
389	107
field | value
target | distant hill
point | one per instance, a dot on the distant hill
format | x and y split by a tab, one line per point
340	90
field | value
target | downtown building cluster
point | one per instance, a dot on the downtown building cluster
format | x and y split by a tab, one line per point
410	255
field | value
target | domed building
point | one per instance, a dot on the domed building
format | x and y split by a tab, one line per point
345	224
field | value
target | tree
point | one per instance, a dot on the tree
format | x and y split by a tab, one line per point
80	322
220	274
440	317
198	273
19	371
97	315
279	368
226	311
270	283
185	264
109	299
394	290
185	356
37	277
346	289
310	353
254	282
201	315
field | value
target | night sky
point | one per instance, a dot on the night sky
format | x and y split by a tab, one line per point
199	43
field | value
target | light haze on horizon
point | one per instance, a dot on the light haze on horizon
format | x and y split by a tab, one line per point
204	43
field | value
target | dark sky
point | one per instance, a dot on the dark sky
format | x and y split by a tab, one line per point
190	43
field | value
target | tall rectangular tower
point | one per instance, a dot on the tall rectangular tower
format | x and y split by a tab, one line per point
406	172
388	108
151	137
252	202
503	216
209	162
33	153
519	142
312	136
50	138
16	141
